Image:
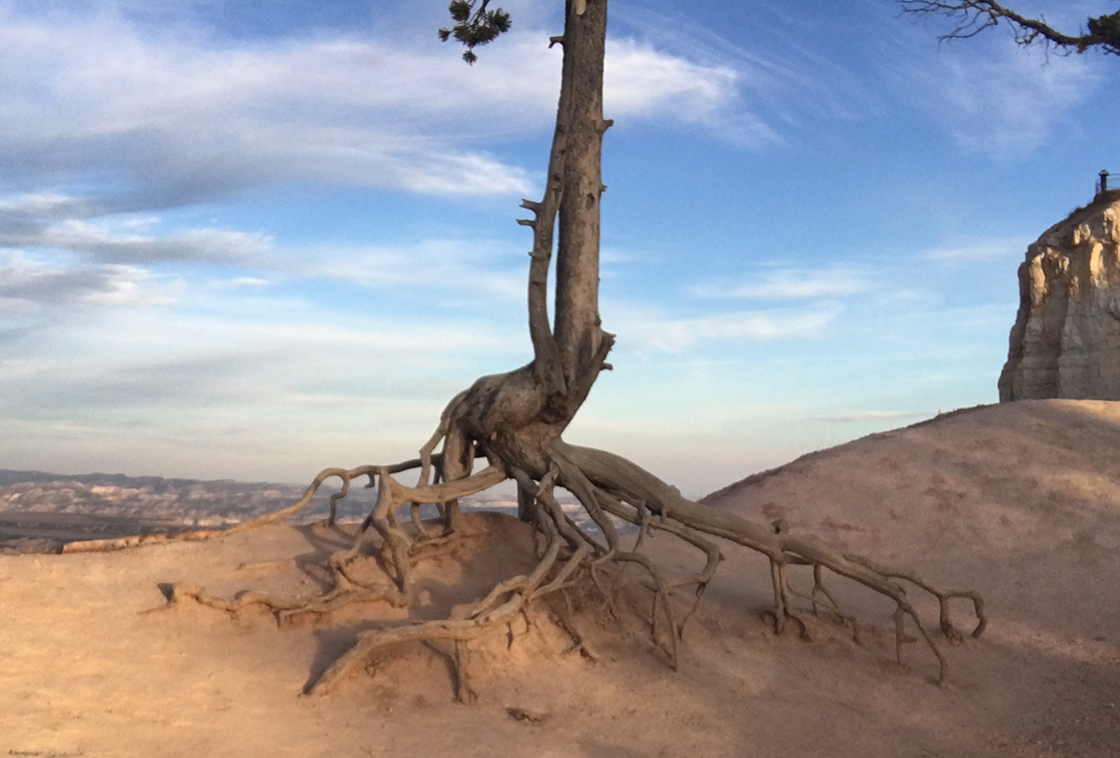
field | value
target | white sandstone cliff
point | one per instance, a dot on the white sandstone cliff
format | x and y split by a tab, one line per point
1066	338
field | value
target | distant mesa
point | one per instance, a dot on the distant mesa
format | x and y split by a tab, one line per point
1066	339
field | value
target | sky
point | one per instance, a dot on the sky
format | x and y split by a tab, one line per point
251	240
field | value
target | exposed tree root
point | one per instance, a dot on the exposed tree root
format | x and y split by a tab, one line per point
631	482
139	540
606	486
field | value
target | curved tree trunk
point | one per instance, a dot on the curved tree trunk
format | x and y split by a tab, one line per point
517	416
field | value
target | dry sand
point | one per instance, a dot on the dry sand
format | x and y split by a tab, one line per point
1020	501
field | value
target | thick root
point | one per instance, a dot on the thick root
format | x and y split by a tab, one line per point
606	486
139	540
632	485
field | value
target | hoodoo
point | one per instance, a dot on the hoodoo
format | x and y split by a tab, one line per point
1066	338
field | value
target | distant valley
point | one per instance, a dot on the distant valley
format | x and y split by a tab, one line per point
40	512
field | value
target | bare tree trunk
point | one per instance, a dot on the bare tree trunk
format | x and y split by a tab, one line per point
578	330
516	417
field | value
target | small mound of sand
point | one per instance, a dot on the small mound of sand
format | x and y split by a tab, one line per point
1020	501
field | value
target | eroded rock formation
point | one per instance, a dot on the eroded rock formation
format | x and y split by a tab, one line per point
1066	338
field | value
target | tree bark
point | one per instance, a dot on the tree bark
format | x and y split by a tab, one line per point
517	416
578	332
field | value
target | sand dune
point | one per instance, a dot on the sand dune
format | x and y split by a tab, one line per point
1020	501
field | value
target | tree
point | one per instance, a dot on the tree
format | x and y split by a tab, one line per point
516	421
974	16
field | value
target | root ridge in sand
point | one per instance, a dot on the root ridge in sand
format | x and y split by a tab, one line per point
611	490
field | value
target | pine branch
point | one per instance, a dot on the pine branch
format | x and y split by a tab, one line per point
475	25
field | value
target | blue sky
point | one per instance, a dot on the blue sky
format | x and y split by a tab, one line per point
252	240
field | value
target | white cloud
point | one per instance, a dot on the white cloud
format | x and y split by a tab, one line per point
102	243
178	118
469	268
29	221
93	90
126	285
214	366
43	206
449	174
27	280
455	266
678	334
985	251
771	82
791	284
641	81
998	100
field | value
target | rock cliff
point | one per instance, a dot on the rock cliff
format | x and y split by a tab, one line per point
1066	338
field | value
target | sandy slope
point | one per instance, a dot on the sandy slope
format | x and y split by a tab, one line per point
1020	501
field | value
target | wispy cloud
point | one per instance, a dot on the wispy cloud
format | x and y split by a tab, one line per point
780	83
114	260
659	333
168	120
642	81
33	210
29	281
449	265
127	245
791	284
93	94
121	364
999	100
985	251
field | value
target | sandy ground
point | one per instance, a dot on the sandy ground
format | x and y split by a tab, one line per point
1020	501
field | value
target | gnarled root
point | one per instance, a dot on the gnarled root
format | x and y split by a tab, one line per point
606	486
634	485
345	588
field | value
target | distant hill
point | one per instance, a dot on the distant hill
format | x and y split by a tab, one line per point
40	511
141	496
157	483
